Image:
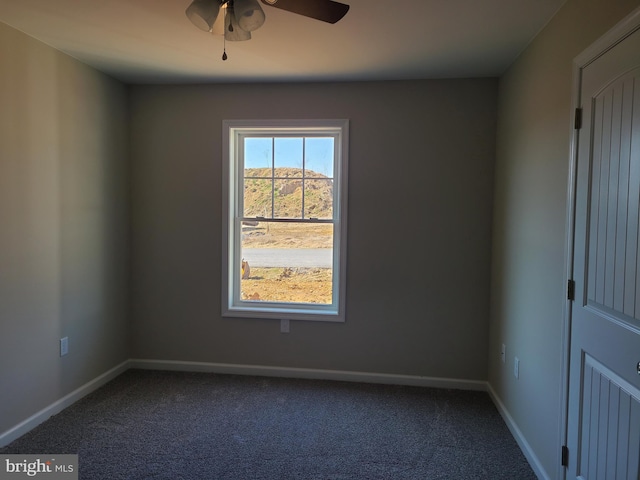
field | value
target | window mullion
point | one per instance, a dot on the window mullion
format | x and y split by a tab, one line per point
273	175
304	171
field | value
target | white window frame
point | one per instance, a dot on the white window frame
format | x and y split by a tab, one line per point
232	304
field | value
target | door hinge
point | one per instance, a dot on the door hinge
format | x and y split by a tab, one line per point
565	456
578	119
571	290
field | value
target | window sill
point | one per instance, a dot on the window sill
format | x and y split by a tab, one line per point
276	313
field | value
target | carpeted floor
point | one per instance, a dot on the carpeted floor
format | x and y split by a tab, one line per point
170	425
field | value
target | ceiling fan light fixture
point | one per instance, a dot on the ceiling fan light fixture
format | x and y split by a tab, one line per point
249	14
232	30
203	13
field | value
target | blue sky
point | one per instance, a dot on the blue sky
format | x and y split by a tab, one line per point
288	153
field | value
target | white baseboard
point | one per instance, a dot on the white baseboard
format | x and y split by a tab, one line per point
308	373
531	457
56	407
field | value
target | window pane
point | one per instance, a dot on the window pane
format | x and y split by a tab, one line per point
288	154
318	199
257	153
319	156
288	199
257	197
287	262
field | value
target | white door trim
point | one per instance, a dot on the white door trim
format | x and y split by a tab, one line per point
618	33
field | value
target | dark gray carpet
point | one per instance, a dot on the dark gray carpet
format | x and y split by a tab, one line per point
169	425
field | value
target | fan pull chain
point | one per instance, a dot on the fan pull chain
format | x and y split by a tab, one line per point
224	36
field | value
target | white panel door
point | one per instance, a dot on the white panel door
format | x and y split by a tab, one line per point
604	380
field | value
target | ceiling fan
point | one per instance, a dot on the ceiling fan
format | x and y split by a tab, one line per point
240	17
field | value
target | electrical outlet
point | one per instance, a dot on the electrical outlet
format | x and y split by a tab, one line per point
64	346
284	325
516	367
503	353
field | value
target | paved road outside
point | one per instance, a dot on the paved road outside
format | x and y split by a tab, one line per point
288	257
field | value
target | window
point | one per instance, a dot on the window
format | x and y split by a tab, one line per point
285	206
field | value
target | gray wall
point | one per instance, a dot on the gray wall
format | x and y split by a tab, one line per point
529	231
420	194
63	225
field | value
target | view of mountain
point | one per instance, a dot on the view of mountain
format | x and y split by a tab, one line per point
287	193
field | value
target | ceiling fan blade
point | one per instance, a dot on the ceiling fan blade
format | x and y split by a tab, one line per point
325	10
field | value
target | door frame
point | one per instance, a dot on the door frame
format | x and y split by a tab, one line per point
627	26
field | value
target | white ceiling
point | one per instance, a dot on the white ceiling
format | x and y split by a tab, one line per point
152	41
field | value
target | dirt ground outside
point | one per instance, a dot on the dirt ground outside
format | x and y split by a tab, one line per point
287	235
297	285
